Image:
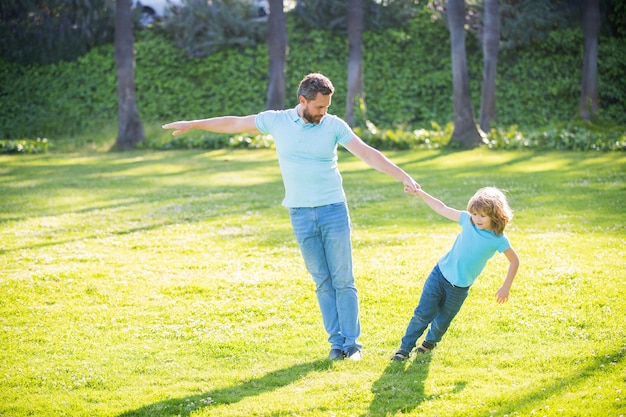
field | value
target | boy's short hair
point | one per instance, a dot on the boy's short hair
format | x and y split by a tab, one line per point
315	83
492	202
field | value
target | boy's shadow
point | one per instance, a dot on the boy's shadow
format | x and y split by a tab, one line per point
401	387
186	405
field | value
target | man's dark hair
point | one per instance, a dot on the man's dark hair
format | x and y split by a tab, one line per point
315	83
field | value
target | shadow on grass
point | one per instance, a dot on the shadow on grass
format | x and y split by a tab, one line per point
400	389
185	406
600	364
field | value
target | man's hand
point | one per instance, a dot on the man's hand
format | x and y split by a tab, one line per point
180	127
411	188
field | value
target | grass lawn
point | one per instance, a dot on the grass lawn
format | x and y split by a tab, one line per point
169	284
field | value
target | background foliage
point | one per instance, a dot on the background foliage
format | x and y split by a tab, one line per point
202	29
48	31
407	71
332	14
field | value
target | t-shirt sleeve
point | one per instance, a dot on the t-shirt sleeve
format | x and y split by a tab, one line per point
465	218
504	244
344	132
264	120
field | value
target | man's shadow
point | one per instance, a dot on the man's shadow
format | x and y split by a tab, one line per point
401	387
186	405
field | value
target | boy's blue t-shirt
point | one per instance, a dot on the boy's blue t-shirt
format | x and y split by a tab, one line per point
471	251
307	155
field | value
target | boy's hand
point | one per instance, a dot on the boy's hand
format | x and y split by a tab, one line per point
411	190
502	295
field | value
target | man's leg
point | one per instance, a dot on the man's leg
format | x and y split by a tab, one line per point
334	223
306	230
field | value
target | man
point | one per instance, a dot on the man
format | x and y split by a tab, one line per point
306	139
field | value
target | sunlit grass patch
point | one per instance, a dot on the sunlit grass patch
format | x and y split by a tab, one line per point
169	283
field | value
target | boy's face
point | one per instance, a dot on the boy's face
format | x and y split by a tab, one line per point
481	220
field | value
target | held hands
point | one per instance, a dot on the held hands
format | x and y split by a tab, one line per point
180	127
412	189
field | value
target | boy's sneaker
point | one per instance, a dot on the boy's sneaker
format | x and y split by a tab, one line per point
400	356
426	347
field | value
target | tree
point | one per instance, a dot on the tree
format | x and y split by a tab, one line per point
277	49
491	43
465	132
356	24
589	87
130	130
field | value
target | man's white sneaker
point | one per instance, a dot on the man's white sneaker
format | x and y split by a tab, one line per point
354	354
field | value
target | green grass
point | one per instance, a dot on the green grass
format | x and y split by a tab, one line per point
169	283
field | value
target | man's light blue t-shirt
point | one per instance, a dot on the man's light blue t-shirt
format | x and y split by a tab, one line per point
471	251
307	155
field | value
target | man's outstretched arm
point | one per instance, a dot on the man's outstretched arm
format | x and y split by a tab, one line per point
222	124
380	162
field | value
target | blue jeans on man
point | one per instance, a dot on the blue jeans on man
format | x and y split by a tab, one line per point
323	234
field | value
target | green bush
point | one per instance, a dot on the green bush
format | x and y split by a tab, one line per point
23	146
207	140
202	29
571	137
401	139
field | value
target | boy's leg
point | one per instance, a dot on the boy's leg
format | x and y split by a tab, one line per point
426	310
453	301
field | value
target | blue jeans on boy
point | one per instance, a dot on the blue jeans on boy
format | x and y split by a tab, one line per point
323	234
439	304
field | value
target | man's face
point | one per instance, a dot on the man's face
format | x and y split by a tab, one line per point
314	110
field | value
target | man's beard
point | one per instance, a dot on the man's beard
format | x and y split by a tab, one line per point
310	119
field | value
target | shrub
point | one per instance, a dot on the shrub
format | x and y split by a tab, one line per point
207	140
24	146
202	28
402	139
572	137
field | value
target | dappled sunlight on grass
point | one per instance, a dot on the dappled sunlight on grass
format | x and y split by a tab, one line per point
170	283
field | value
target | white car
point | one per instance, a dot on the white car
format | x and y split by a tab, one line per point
153	10
262	7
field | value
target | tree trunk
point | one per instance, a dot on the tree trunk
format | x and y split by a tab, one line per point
355	96
491	43
465	132
130	130
277	50
589	87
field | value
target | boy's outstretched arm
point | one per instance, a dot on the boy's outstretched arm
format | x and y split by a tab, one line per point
502	295
438	206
